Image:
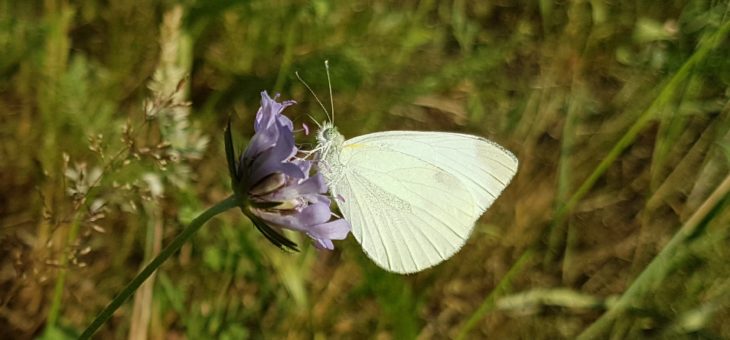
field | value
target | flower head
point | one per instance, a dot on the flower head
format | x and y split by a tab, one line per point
275	187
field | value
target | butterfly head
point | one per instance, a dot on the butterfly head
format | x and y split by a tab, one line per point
328	134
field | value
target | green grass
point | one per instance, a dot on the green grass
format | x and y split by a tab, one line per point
615	226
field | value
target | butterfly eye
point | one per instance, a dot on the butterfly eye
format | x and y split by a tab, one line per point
331	133
327	133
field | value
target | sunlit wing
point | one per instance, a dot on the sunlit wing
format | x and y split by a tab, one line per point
483	166
407	214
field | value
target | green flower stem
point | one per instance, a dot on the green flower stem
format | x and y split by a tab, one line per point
228	203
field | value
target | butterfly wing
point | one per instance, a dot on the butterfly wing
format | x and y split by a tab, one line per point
413	197
483	166
406	213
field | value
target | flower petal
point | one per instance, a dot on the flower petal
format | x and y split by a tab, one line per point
305	165
273	160
270	113
323	243
333	230
260	142
314	185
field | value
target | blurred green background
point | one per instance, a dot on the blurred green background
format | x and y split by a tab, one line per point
616	225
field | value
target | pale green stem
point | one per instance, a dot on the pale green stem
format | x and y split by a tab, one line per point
57	298
174	246
622	144
502	288
287	57
647	116
657	270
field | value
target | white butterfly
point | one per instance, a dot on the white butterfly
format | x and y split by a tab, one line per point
411	197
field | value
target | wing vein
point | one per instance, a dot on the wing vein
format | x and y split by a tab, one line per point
363	218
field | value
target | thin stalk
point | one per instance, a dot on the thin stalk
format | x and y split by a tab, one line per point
143	303
58	16
57	298
286	59
502	288
557	234
174	246
60	283
659	266
647	116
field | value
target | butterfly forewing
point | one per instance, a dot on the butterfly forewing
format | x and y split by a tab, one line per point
482	165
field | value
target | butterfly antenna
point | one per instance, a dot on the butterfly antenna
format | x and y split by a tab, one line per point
329	84
315	96
319	126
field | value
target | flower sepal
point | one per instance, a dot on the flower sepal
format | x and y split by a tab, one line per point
272	235
265	205
231	160
244	202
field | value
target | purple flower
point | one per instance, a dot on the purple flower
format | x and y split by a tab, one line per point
275	187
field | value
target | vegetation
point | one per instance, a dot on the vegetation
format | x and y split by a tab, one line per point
616	225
